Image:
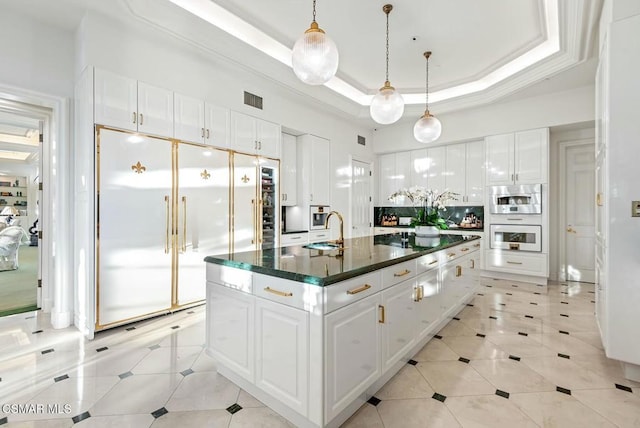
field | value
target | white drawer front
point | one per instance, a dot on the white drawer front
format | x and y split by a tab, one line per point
230	277
346	292
319	236
291	293
525	264
429	261
294	239
398	273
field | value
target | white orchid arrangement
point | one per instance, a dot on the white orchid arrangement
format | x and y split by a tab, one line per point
427	203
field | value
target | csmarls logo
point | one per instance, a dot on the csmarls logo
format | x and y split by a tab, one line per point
36	408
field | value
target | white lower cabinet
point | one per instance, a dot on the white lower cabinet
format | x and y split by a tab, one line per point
352	352
429	307
282	353
397	326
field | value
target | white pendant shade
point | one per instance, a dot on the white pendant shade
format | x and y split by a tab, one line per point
387	106
315	57
427	129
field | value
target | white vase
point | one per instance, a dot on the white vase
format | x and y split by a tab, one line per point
427	231
427	241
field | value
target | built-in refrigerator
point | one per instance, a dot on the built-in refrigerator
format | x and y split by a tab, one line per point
255	210
162	206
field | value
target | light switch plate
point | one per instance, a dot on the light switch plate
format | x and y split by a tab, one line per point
635	208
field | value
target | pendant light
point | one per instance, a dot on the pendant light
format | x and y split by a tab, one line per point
428	128
387	105
314	56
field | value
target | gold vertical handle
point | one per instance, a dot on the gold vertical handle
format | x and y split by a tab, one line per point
421	292
135	116
473	264
599	199
458	270
141	119
184	224
207	133
381	318
166	239
202	132
416	294
254	213
259	215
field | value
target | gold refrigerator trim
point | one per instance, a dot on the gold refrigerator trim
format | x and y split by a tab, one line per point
174	226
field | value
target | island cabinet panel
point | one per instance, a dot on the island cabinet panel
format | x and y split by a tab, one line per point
352	352
429	307
349	291
398	273
397	326
230	334
282	353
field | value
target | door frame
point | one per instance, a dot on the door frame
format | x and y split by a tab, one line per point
57	287
563	146
350	220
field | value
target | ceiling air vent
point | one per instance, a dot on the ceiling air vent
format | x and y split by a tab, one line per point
361	140
252	100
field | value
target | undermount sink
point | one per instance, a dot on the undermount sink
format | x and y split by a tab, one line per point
327	246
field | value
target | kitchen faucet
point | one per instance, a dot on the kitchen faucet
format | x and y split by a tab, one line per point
340	240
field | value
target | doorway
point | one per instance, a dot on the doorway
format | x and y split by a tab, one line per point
20	197
577	212
360	198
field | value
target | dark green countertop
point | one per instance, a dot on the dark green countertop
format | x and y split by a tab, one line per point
318	267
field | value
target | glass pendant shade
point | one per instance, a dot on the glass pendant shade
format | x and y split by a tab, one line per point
315	57
387	106
427	129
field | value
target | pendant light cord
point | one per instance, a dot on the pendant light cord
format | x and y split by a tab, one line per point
387	73
314	10
426	85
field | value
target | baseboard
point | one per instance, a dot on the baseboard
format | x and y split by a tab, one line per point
510	284
61	319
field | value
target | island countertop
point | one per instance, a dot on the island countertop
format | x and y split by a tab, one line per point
324	267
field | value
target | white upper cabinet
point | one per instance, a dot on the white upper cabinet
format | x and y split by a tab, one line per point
395	174
255	136
518	158
436	160
465	172
200	122
314	166
288	171
131	105
419	167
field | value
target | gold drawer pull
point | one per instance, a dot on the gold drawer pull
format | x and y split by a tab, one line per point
381	319
359	289
403	273
473	264
514	263
476	245
458	270
451	254
464	249
433	262
278	292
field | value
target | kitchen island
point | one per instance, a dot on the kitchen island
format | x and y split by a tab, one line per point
314	332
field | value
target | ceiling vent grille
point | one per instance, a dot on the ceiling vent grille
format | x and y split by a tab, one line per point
252	100
361	140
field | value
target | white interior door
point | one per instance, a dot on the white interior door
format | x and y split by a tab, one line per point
361	199
203	213
135	182
579	251
245	202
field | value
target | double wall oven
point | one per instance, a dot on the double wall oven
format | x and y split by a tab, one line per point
516	223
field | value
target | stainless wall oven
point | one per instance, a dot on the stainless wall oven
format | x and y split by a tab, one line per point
522	199
516	237
318	214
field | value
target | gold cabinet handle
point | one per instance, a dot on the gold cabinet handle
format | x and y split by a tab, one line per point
476	245
381	318
433	262
135	116
403	273
359	289
473	264
458	270
166	239
571	230
184	224
464	249
514	263
599	199
253	219
416	294
421	290
207	133
451	255
141	119
278	292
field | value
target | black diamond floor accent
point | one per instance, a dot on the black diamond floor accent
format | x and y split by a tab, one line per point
374	401
592	292
523	334
513	357
157	413
513	285
412	362
4	421
564	292
59	378
37	331
564	315
81	417
480	294
501	393
130	328
437	336
186	372
593	301
535	292
563	356
509	294
480	335
493	318
175	327
47	351
456	318
439	397
154	347
125	375
563	332
502	304
470	304
565	303
533	303
563	390
624	388
464	360
528	316
104	348
490	286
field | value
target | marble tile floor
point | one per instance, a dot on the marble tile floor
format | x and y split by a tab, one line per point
508	359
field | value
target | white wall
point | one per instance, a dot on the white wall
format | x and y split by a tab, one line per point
548	110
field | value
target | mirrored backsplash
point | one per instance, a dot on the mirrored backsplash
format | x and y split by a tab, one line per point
453	214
